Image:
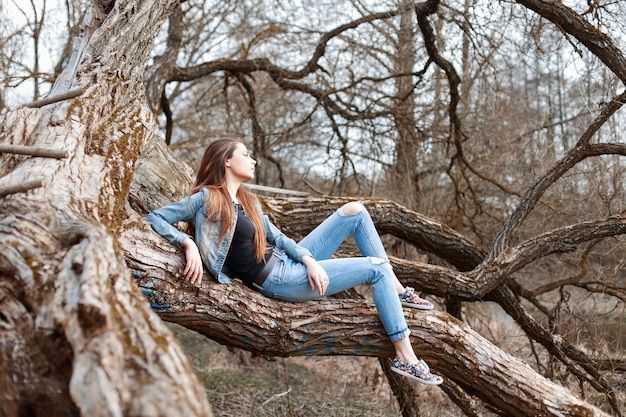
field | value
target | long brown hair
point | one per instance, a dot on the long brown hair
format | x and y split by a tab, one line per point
212	175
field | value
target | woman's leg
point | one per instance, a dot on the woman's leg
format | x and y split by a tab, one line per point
289	282
404	350
324	240
352	219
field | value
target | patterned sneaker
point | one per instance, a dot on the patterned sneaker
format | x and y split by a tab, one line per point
419	371
409	299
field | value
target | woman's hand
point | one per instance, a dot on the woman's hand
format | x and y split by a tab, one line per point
317	276
193	269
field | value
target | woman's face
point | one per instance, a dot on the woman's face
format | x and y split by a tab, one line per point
241	165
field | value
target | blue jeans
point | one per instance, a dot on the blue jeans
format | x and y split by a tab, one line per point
289	281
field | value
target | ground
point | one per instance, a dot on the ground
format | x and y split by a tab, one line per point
240	384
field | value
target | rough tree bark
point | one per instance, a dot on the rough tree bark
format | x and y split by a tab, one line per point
78	337
236	316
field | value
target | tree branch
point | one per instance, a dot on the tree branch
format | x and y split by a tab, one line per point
571	22
581	151
20	188
55	99
32	151
237	316
573	358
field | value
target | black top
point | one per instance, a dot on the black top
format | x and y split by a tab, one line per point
241	258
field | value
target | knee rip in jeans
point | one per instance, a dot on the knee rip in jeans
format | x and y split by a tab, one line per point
351	208
377	261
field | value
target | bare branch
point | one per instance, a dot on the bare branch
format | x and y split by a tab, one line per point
55	99
561	240
580	152
571	22
20	188
32	151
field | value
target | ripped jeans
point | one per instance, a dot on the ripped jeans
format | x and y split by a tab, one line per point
289	281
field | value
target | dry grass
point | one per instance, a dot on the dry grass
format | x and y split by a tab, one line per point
239	384
597	336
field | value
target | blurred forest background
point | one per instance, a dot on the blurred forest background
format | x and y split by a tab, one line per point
455	117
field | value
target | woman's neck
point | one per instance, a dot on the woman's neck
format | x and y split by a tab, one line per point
232	188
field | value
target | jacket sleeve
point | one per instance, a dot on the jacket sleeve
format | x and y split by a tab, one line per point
162	220
281	241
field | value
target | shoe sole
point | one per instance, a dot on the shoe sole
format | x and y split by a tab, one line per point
438	381
417	306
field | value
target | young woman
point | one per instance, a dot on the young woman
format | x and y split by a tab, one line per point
232	238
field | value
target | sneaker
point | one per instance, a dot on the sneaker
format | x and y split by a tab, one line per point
410	299
419	371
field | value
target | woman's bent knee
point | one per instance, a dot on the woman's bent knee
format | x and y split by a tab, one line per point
350	208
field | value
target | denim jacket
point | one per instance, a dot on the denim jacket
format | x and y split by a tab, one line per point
192	209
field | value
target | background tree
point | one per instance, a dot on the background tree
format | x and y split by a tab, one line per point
520	147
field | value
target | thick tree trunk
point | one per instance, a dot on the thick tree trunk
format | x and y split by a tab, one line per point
76	335
236	316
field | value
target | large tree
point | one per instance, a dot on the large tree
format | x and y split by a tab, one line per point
78	336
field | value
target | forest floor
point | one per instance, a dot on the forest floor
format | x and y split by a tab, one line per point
240	384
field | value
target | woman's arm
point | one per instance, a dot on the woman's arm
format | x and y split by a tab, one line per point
193	267
162	220
317	276
281	241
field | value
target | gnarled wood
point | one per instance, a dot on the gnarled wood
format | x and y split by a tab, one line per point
237	316
76	335
299	215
